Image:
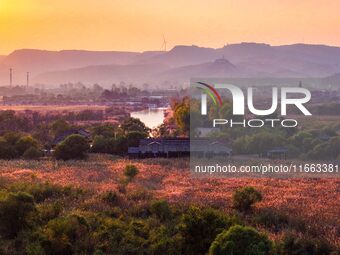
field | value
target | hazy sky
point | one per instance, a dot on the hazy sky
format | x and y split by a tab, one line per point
139	25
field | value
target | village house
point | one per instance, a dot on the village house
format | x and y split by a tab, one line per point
277	153
84	133
178	147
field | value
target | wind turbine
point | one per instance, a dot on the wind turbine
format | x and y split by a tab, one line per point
164	44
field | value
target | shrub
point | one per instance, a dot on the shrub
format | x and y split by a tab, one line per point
132	124
119	238
32	153
42	191
199	228
292	245
73	147
24	143
49	211
130	171
66	235
161	209
15	209
7	151
110	197
278	220
12	137
139	194
132	138
102	144
244	198
164	244
239	240
275	220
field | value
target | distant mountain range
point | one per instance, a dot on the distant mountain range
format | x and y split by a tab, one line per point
177	65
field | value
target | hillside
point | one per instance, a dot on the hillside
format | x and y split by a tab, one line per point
105	74
177	65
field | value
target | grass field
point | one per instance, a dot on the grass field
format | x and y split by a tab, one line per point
314	201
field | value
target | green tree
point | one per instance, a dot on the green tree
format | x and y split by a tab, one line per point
32	153
73	147
60	126
12	137
24	143
133	124
66	236
199	227
15	209
263	141
105	130
326	150
132	138
182	115
7	151
100	144
239	240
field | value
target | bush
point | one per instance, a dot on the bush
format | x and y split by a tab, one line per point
7	151
66	236
239	240
275	220
199	228
132	138
32	153
139	194
162	242
120	238
110	197
24	143
15	209
42	191
326	150
292	245
161	209
49	211
278	220
130	171
244	198
73	147
102	144
12	137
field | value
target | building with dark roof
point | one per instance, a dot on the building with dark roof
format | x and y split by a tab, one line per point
178	147
67	133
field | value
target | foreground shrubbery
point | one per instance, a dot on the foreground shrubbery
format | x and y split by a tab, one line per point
244	198
42	218
239	240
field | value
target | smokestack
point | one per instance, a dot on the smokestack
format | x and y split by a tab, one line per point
10	77
27	79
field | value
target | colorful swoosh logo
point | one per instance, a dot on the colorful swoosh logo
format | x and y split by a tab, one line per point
211	91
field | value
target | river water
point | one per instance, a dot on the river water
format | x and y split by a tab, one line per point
152	117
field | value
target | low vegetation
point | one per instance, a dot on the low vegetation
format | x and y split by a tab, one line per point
43	218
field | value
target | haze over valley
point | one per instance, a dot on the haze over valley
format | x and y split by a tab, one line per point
178	65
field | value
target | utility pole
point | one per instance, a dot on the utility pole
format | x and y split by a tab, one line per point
27	79
10	77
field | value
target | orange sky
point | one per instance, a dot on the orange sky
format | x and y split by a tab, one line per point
139	25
